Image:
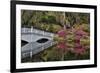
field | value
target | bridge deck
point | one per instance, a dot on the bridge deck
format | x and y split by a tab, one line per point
33	48
31	36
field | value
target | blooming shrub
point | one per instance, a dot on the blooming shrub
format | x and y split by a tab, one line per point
71	44
75	40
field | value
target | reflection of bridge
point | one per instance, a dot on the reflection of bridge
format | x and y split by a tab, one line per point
32	35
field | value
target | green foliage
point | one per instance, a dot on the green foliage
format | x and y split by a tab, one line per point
86	27
69	56
48	19
50	55
31	17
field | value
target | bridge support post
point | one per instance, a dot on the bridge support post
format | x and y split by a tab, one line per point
31	29
30	55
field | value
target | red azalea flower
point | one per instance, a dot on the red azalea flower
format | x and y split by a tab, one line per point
80	32
62	33
77	39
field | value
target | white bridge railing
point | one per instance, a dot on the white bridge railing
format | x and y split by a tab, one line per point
36	31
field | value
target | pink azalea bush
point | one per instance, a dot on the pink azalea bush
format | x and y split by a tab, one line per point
77	48
62	44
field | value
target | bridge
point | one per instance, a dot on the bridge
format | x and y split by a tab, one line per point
34	37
